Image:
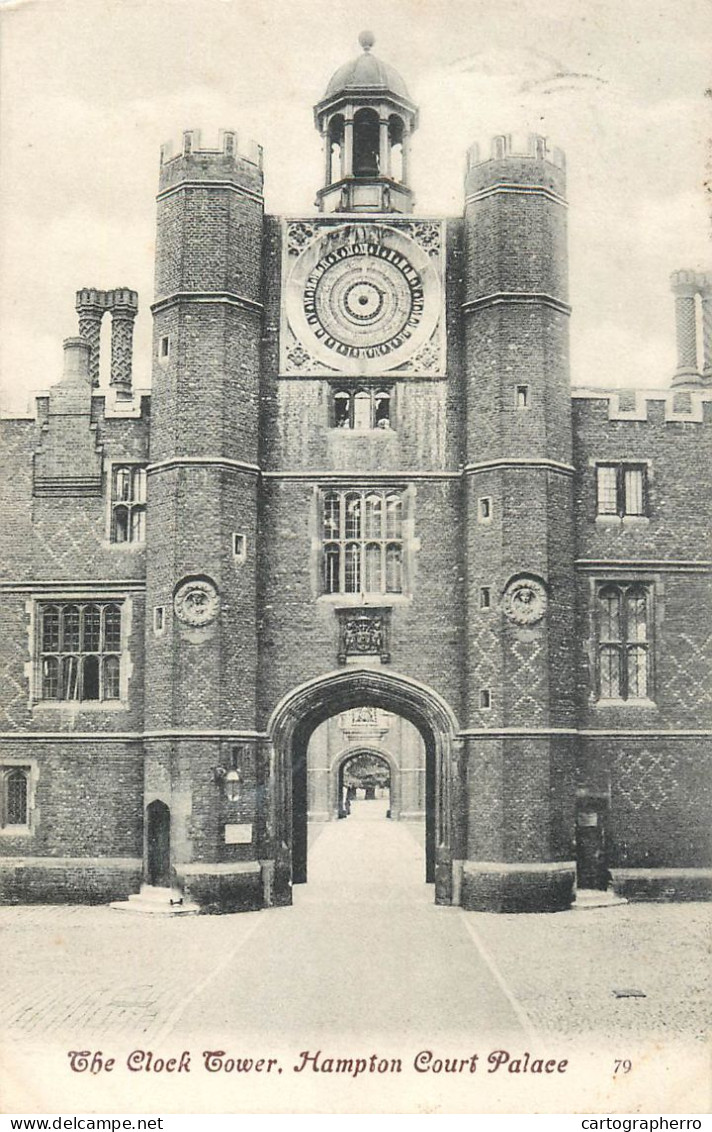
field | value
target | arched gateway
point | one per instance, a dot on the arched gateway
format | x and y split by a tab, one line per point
346	762
289	731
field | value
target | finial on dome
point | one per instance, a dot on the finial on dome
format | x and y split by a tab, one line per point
367	40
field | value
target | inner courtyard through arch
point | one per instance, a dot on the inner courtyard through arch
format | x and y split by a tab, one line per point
368	800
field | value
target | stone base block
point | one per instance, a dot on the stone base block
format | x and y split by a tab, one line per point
663	884
68	880
597	898
220	888
443	880
493	886
281	886
154	900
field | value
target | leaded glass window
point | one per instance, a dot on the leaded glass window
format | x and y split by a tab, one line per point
79	651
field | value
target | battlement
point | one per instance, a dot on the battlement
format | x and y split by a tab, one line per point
505	147
680	406
192	162
227	148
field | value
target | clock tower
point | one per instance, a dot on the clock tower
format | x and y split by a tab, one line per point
362	285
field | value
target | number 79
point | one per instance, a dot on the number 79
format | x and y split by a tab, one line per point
622	1065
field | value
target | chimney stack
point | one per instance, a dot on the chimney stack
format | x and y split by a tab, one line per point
92	305
77	353
124	308
690	315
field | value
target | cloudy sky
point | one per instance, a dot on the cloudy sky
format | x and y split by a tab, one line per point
89	90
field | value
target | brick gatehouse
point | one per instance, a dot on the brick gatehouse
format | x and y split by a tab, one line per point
362	480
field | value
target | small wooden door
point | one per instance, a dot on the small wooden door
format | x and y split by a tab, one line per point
592	866
158	844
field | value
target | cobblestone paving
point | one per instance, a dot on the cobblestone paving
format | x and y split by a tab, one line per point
564	968
92	971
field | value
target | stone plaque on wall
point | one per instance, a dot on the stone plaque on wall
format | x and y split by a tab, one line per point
238	834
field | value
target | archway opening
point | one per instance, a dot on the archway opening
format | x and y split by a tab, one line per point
364	777
290	728
335	149
365	763
396	142
366	143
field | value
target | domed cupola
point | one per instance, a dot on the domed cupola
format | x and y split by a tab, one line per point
366	118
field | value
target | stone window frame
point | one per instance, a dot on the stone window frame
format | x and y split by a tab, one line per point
133	504
373	395
34	669
624	642
618	494
239	547
9	767
341	542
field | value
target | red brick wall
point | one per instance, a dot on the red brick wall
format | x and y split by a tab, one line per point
658	786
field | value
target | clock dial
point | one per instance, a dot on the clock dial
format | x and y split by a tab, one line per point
363	298
366	303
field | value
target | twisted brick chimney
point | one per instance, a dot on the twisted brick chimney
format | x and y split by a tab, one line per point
92	305
692	370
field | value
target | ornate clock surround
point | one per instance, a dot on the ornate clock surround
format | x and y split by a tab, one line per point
362	298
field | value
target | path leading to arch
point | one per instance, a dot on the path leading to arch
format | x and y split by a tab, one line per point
364	964
363	951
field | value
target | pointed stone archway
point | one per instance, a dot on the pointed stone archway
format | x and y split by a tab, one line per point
344	757
289	730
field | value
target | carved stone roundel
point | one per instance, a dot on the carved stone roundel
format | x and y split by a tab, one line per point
196	602
525	601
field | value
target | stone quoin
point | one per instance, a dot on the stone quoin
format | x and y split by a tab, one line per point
361	489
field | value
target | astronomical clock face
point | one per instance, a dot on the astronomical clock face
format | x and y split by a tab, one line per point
363	298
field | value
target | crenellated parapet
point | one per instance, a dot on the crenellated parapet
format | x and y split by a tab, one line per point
515	147
685	406
188	161
514	164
